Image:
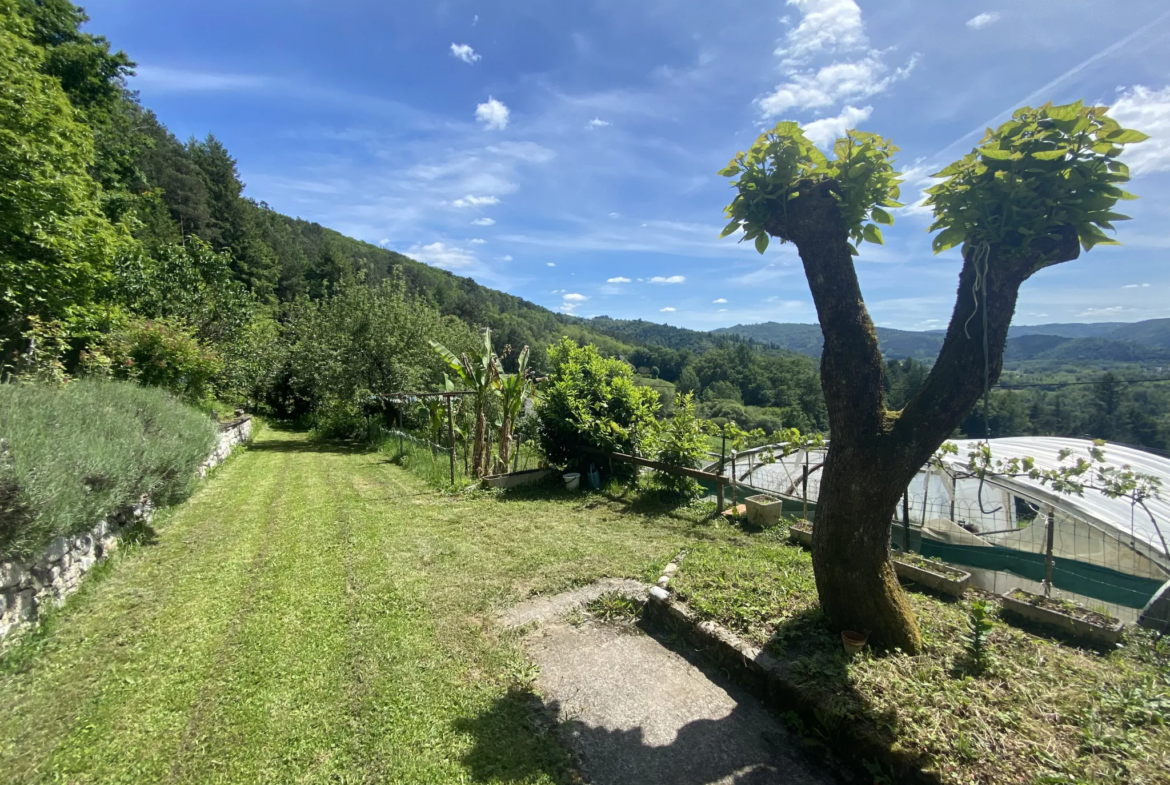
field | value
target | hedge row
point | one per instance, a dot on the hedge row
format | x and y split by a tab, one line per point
70	456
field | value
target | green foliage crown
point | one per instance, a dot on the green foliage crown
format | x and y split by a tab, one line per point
783	162
1043	169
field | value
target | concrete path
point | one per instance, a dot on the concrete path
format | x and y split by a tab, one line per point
636	712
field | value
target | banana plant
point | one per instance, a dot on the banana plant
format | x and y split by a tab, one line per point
479	373
515	390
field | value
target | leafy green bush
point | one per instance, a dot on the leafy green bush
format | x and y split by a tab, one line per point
681	442
592	401
74	454
157	354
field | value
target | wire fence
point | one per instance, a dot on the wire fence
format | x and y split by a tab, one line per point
1004	537
433	462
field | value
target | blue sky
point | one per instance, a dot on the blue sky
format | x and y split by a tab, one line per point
566	152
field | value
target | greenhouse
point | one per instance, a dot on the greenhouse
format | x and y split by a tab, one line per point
1011	531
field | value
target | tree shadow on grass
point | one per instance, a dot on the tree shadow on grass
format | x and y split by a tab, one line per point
827	707
522	737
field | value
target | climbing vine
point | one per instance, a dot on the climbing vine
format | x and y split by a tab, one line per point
783	162
1045	168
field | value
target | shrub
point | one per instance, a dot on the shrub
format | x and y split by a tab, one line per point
681	443
592	401
75	454
157	354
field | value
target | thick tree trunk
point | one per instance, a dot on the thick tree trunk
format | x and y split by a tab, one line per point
874	453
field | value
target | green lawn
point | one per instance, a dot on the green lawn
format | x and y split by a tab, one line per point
315	614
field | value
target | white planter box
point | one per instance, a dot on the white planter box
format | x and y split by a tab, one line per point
955	586
763	510
1065	622
801	533
516	479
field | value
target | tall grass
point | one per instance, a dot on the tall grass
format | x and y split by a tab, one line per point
75	454
418	457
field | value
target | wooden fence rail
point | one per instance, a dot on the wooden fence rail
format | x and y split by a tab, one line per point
720	480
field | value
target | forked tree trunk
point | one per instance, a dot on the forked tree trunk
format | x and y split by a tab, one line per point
874	453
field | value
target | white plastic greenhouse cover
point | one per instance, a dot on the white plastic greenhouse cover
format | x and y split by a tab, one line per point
1112	514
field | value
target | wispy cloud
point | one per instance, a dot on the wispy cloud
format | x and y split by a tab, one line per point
442	255
667	309
596	122
720	301
983	20
175	80
618	279
1136	286
475	201
465	53
478	241
669	279
493	114
550	264
484	222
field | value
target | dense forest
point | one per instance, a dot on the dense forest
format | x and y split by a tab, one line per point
127	252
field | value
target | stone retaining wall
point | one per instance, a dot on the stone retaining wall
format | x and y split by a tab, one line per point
25	586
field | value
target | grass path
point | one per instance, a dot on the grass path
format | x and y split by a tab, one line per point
313	615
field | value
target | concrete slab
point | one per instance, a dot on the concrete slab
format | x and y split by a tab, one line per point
634	711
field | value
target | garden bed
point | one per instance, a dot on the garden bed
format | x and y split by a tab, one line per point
1042	712
1064	616
930	573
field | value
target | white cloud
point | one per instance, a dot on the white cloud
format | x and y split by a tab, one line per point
596	122
615	215
464	53
619	279
507	258
1136	286
667	309
983	20
1111	310
721	301
1147	111
572	302
671	279
827	86
828	28
475	201
484	222
442	255
478	241
827	130
493	114
550	264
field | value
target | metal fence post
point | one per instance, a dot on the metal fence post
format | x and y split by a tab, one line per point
1048	560
451	437
906	520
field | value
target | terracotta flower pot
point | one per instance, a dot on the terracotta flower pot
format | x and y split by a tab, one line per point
853	641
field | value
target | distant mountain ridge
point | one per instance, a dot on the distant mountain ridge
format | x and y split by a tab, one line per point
1147	341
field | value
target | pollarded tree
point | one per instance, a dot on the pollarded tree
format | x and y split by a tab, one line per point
1033	192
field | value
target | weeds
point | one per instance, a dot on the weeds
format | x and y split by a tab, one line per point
980	626
615	607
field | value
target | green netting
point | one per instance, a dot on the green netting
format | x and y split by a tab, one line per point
1088	580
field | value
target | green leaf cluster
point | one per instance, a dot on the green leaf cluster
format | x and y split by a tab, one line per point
681	441
592	401
782	163
1042	170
